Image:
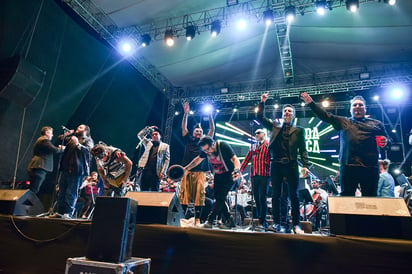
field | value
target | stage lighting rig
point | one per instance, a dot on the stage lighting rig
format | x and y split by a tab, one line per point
290	13
390	2
215	28
352	5
145	40
169	38
190	32
268	17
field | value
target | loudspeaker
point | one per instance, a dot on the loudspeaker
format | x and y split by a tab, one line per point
112	230
158	207
20	80
22	202
367	216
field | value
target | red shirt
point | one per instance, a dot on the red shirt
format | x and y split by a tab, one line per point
261	159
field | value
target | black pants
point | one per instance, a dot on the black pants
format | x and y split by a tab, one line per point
260	187
36	177
149	181
222	184
290	173
351	176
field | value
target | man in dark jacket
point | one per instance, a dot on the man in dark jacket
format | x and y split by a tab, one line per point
74	166
42	161
285	143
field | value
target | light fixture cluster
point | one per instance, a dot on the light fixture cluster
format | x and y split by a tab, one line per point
192	27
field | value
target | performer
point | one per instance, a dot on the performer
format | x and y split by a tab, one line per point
90	192
259	173
386	184
226	169
284	144
114	168
155	159
75	164
42	161
360	138
193	182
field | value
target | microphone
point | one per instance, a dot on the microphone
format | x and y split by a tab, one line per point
65	128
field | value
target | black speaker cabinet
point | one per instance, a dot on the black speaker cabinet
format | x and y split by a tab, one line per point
158	207
22	202
112	230
20	80
367	216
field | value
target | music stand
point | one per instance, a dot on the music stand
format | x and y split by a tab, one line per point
305	197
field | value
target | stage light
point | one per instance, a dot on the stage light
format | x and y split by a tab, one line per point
256	109
290	13
169	38
207	109
176	113
320	7
241	24
190	32
302	104
145	40
232	2
127	46
375	98
325	103
352	5
397	93
364	75
235	109
191	112
268	17
393	130
276	106
390	2
215	28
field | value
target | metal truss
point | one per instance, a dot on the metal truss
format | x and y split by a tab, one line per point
108	30
329	88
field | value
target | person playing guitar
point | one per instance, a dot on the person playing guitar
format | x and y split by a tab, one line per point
114	168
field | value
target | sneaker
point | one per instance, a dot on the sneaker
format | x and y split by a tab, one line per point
298	230
207	224
66	216
276	228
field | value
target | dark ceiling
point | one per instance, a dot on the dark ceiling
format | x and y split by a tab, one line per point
323	48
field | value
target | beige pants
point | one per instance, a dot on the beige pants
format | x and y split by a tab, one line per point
192	188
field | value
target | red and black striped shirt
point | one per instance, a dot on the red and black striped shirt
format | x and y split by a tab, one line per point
261	159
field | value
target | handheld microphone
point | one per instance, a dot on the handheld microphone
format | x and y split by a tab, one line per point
65	128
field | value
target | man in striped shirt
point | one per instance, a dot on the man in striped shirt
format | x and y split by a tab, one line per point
259	174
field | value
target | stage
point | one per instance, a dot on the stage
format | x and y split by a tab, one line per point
42	245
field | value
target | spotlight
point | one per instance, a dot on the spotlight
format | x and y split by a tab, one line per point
241	24
397	93
169	38
390	2
352	5
215	28
320	7
191	112
127	47
235	109
145	40
207	109
375	98
268	17
276	106
290	13
190	32
325	103
176	113
256	109
302	104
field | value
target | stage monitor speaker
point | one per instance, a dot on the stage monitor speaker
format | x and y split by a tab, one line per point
112	230
20	80
22	202
367	216
158	207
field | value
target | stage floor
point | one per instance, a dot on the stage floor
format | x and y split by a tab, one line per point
42	245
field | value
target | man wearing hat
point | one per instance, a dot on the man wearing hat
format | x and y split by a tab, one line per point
259	174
